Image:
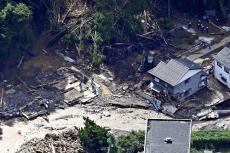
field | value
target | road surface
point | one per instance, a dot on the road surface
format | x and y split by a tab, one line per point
203	52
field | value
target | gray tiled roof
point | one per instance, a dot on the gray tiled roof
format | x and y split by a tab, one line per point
178	130
224	57
190	64
173	71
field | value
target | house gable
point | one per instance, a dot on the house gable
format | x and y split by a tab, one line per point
175	71
223	57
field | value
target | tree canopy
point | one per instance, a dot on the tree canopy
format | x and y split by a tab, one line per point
13	20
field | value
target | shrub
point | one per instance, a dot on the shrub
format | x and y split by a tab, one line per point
211	139
131	143
103	23
165	23
69	40
14	36
93	137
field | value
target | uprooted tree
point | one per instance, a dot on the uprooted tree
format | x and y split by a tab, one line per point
89	26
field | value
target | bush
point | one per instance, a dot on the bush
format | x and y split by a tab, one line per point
165	23
211	139
97	58
93	137
69	40
131	143
14	36
193	150
103	23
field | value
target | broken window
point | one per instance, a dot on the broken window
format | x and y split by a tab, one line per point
219	64
226	70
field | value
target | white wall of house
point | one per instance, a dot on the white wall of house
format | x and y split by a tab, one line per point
219	74
194	83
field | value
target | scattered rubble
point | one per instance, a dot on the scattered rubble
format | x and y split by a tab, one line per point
226	28
10	91
37	95
169	109
66	142
106	114
66	58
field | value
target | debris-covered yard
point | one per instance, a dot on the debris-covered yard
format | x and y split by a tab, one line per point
54	90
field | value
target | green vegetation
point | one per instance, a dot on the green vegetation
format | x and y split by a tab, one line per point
106	22
14	37
199	6
93	137
193	150
131	143
215	140
97	139
165	23
201	140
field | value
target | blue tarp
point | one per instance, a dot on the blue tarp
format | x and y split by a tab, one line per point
154	104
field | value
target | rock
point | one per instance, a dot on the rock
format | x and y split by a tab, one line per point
60	128
221	125
125	87
9	86
110	79
106	114
10	91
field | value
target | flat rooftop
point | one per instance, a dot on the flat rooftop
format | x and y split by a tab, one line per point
168	136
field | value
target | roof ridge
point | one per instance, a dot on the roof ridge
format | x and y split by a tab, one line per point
184	73
183	76
180	63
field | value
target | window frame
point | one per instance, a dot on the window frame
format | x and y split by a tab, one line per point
218	64
226	69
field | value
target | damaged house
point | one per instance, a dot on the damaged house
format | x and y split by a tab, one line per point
178	78
222	66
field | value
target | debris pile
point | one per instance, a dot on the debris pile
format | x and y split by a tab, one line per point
221	109
44	91
66	142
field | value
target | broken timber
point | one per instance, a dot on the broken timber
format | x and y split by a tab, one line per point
72	96
2	94
34	115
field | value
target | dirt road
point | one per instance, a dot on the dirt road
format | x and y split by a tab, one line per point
117	119
200	53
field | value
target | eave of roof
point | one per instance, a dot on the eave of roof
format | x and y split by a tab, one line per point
223	57
173	71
